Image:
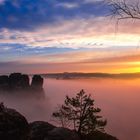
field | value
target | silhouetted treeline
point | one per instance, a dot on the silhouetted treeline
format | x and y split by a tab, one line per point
67	75
17	82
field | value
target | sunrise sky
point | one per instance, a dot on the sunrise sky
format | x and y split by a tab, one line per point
41	36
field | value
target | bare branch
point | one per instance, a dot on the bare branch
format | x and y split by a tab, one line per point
124	9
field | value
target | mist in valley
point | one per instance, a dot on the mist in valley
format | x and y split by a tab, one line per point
118	100
31	107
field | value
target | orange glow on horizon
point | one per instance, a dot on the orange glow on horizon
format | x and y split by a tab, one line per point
116	68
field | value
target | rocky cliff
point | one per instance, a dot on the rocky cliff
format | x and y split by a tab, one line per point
14	126
19	83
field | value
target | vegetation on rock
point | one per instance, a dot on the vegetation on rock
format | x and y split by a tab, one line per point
80	112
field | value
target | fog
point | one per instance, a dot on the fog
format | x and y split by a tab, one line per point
118	99
32	108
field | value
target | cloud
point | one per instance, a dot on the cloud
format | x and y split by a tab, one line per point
38	55
76	33
93	1
17	58
48	67
68	5
48	32
125	59
2	1
30	14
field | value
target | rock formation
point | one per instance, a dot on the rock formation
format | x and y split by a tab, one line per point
14	126
62	134
4	82
37	83
44	131
97	135
40	129
17	82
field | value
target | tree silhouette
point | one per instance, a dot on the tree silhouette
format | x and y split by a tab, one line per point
80	111
125	9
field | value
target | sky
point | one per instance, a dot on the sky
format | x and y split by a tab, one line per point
49	36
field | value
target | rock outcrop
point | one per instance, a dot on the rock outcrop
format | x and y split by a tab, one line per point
13	126
17	82
44	131
4	83
40	129
62	134
97	135
37	83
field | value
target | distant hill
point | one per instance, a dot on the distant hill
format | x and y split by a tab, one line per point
67	75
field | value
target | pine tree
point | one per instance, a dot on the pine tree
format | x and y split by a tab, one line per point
81	113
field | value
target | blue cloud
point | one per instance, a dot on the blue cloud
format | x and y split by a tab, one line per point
13	52
16	51
29	14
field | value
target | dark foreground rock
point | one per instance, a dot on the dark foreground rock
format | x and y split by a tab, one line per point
14	126
62	134
44	131
97	135
40	129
